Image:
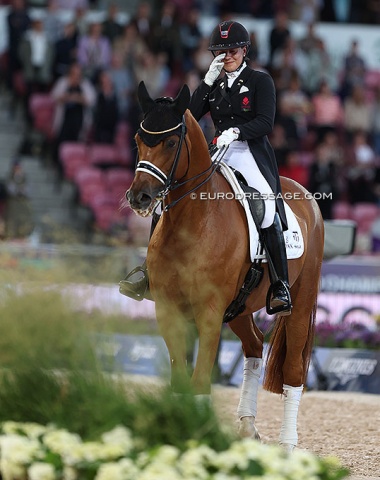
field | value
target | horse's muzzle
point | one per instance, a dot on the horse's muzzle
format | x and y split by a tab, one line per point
142	201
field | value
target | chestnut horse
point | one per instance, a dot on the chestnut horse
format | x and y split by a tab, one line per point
198	256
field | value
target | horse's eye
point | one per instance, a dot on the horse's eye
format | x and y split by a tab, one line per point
170	143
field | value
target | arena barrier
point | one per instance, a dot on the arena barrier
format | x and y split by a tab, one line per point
338	369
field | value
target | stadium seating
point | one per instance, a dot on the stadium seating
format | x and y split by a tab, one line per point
41	108
364	214
73	156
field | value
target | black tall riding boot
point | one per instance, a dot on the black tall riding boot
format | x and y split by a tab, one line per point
138	289
278	299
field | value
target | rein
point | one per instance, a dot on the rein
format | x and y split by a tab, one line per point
168	181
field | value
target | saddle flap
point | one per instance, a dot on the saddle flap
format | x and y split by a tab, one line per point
255	202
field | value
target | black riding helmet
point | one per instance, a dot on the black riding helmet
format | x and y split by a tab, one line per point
228	35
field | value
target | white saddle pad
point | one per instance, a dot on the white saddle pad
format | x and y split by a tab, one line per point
293	236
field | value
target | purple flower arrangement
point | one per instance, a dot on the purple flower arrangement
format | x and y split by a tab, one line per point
333	335
346	335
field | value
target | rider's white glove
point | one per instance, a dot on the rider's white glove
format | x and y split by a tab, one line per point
227	137
214	69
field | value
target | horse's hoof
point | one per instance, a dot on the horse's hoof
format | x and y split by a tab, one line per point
288	447
247	428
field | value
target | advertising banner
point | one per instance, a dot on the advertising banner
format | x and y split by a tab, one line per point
330	369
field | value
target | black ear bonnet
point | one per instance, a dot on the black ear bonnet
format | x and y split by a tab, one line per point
162	117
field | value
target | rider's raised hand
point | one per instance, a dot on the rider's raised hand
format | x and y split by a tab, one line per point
214	69
227	137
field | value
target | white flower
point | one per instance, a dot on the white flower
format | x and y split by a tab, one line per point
41	471
110	471
167	454
192	462
159	471
61	441
30	429
129	468
69	473
120	436
18	449
10	470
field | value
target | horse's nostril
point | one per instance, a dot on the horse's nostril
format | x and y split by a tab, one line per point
144	198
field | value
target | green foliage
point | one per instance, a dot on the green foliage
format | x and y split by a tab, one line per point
39	328
90	403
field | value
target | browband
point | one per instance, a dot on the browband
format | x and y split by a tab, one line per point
163	131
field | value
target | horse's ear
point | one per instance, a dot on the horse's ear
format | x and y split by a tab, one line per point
182	100
146	102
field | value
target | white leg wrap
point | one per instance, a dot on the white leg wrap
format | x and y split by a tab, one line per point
248	396
292	397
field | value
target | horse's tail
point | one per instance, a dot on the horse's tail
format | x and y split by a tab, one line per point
274	379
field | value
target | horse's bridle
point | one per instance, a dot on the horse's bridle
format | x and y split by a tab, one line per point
168	181
151	169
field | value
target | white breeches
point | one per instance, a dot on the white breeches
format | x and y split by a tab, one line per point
240	157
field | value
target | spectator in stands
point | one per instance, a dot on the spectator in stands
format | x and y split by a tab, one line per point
66	49
286	120
375	121
318	67
112	28
143	21
53	24
201	57
253	54
75	97
310	40
130	46
191	37
361	171
337	11
292	168
153	70
333	145
37	60
18	22
307	11
279	143
94	51
123	82
354	70
278	35
357	112
167	37
328	111
106	112
73	4
295	104
290	55
323	180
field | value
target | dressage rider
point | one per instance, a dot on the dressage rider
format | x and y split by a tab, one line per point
242	104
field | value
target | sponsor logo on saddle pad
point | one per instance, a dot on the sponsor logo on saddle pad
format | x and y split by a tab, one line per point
293	236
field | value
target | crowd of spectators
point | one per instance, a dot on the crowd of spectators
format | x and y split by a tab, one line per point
327	127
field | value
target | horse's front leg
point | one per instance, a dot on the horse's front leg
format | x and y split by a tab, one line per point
252	344
209	328
172	327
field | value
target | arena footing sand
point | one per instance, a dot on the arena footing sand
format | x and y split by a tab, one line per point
341	424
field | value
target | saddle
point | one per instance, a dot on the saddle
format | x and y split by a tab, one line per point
256	204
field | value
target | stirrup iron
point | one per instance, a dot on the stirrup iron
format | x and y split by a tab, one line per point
136	290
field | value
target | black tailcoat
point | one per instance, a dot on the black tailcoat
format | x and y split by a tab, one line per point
250	105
